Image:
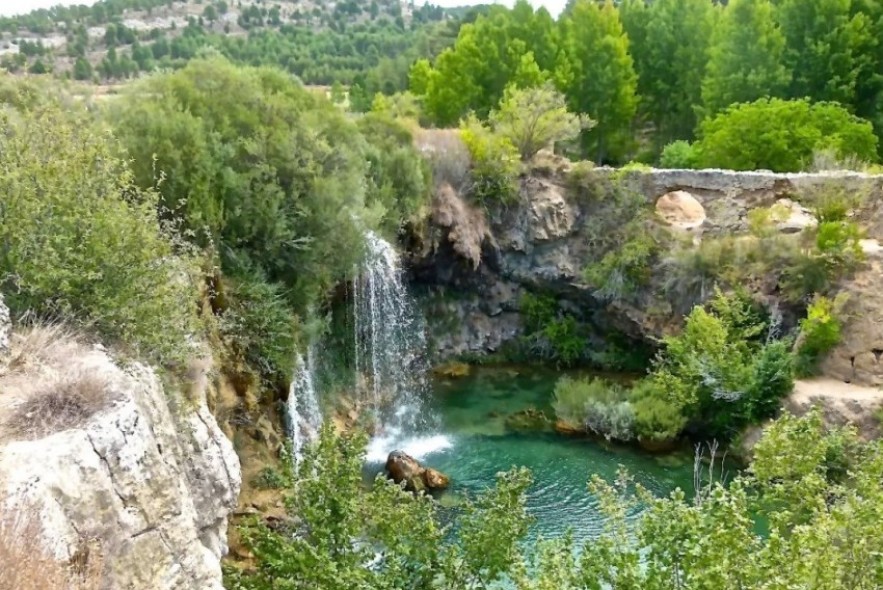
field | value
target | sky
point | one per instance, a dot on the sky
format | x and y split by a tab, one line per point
8	7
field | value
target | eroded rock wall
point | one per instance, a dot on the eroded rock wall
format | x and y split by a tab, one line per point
542	244
147	482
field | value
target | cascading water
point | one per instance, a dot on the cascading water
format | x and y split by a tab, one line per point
304	415
390	355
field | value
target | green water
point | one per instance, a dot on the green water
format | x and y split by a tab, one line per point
473	412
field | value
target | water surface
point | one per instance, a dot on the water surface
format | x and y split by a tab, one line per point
474	445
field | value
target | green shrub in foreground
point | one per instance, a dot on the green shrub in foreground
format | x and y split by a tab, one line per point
81	243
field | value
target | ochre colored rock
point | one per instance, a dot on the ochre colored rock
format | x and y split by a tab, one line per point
402	467
435	480
564	427
680	209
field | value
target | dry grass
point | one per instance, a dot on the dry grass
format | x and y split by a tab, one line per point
40	346
60	403
26	563
447	154
48	385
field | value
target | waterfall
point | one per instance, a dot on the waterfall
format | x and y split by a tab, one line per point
390	352
304	416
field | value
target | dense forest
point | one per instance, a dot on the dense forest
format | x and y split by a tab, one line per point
654	72
649	74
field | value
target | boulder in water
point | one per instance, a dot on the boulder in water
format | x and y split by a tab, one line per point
403	468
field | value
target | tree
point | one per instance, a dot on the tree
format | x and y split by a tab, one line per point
746	57
597	74
82	243
210	13
82	69
534	118
486	57
824	45
782	135
673	57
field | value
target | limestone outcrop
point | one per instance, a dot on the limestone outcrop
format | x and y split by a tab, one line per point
543	242
143	475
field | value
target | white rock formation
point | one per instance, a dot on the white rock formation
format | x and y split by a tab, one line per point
150	480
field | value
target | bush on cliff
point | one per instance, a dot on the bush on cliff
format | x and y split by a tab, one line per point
79	241
255	166
820	331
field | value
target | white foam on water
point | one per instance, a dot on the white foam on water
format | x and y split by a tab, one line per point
418	447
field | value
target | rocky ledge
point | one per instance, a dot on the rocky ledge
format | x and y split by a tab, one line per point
123	474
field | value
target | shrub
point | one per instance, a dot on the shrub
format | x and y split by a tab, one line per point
820	331
598	406
622	271
495	163
782	135
259	325
772	379
398	178
551	338
534	118
679	155
657	418
82	242
448	156
66	401
254	165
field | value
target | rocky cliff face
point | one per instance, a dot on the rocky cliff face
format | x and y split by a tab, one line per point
106	459
544	241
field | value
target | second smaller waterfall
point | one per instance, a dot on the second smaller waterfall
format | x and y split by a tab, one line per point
304	415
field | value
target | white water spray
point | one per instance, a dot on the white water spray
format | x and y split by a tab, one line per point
390	353
304	415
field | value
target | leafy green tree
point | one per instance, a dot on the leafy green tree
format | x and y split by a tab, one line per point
487	56
745	58
824	42
264	172
820	331
82	69
340	527
782	135
81	242
598	76
673	57
534	118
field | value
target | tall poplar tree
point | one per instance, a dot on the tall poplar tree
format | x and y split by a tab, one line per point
598	76
746	57
824	45
677	43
